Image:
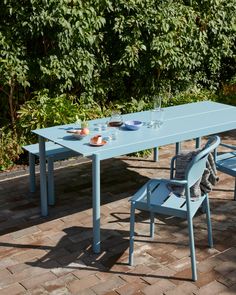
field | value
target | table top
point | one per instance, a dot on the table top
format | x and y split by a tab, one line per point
181	123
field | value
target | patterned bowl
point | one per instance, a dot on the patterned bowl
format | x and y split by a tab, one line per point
133	125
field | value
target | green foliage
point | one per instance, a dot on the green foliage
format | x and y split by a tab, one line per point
10	148
97	55
45	111
191	95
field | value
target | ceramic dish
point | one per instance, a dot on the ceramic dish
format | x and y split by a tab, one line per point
133	125
97	140
97	144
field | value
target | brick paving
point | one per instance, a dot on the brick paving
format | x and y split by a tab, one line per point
53	255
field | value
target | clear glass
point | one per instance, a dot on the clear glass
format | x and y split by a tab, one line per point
115	120
114	134
100	126
157	102
157	117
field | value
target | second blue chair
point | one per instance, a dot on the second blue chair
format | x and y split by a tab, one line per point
155	197
226	162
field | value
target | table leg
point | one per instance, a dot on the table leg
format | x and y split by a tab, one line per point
177	148
43	178
198	142
96	203
156	154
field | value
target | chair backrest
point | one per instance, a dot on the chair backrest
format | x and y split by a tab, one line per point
197	165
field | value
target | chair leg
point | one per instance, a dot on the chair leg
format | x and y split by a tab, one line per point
209	228
131	239
235	190
32	172
192	249
51	193
152	224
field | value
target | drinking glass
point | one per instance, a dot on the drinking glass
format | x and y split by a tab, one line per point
115	120
114	134
157	117
157	102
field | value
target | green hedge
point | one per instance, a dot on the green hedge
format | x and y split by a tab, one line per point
97	54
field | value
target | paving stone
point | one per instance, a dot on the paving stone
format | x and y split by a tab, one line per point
13	289
76	286
37	291
110	284
131	288
6	278
204	279
29	255
183	288
58	283
53	224
87	292
226	267
231	276
209	264
180	264
159	287
60	291
6	263
211	289
159	274
230	291
17	267
34	281
181	252
58	249
25	232
228	254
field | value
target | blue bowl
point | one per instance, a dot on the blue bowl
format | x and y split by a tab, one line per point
133	125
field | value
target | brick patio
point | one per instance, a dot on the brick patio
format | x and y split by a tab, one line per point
53	255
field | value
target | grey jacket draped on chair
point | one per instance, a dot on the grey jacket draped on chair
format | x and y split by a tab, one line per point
204	184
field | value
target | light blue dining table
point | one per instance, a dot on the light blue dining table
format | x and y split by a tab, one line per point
183	122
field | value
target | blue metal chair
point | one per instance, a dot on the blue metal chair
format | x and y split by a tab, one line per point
226	162
156	197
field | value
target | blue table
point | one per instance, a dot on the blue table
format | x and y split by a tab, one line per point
182	123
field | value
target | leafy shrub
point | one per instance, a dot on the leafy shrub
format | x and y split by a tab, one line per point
96	55
10	148
191	95
45	111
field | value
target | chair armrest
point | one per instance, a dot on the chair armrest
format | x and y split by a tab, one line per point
175	181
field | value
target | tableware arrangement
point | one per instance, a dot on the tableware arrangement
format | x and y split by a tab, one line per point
100	126
133	124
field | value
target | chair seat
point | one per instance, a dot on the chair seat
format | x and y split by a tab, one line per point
227	163
163	201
